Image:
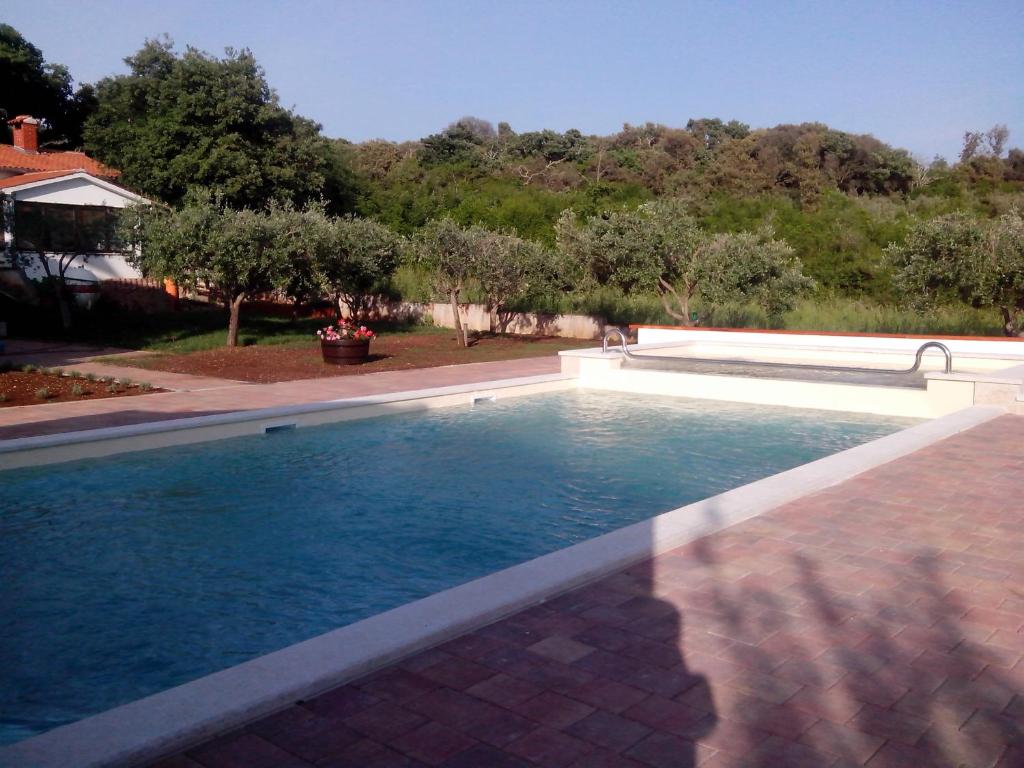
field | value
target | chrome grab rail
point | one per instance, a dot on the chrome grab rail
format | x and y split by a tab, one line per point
622	340
843	368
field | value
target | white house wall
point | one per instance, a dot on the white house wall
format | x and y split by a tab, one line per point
96	267
73	192
76	191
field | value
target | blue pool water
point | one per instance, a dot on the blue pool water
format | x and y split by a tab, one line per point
127	575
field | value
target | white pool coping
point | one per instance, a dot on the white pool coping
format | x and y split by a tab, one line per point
175	719
106	441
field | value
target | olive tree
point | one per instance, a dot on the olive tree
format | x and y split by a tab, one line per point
660	248
957	257
357	256
449	252
236	253
509	268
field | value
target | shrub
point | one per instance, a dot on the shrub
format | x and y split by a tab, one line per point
78	390
43	393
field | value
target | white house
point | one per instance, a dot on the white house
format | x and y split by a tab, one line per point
63	203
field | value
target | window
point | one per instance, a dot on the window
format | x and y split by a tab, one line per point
65	228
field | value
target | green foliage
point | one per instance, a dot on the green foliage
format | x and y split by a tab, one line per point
957	257
31	86
661	247
193	120
43	393
503	268
77	390
360	256
508	269
236	253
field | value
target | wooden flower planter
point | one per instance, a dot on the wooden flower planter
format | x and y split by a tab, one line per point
345	351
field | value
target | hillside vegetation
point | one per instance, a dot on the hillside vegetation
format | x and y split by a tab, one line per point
182	124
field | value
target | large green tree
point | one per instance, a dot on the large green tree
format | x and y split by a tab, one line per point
31	86
194	120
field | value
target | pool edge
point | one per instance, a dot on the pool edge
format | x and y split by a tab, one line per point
21	452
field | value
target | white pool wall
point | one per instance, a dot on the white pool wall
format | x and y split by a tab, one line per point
985	371
1004	348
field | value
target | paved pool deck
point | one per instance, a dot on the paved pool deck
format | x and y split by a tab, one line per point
200	395
879	622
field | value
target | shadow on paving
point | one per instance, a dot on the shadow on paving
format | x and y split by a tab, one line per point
751	647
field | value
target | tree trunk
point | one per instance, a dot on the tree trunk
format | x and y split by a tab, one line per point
460	332
235	308
59	288
492	315
1010	325
683	302
62	303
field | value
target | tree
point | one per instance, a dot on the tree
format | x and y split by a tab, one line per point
509	268
659	247
31	86
449	252
957	257
358	255
235	253
177	122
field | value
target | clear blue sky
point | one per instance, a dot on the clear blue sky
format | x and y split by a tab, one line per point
914	74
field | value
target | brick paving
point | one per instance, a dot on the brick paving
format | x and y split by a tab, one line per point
876	623
203	396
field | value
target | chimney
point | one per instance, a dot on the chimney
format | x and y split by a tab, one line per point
26	132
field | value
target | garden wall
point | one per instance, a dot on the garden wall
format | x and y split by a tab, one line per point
475	317
137	294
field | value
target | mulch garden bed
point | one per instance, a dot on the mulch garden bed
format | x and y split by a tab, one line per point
38	388
391	352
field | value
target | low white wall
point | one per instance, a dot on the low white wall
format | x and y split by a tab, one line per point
994	346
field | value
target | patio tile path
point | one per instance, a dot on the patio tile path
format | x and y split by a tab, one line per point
202	395
879	622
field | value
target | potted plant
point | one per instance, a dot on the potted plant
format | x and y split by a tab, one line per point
345	343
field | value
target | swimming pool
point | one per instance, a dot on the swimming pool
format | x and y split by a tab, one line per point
130	574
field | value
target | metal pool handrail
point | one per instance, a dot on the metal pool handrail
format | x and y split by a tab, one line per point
844	368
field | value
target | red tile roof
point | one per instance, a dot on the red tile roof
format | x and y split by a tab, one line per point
12	158
28	178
